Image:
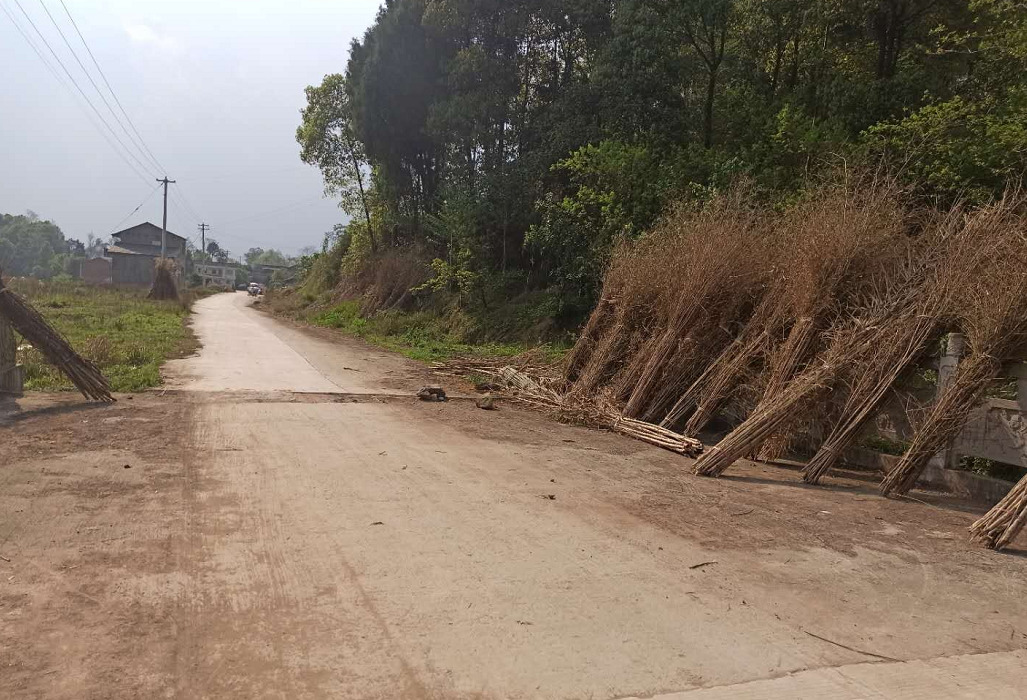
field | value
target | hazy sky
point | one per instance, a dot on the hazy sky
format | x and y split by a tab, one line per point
214	88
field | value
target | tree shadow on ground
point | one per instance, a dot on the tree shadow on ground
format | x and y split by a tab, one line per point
865	486
11	411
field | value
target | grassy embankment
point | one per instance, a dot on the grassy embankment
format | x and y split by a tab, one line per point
433	334
124	333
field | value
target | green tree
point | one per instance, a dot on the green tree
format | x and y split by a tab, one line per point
216	252
31	246
328	140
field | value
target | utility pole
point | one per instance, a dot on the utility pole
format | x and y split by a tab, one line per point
203	237
164	226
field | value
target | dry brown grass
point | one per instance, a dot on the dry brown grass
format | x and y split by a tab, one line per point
384	281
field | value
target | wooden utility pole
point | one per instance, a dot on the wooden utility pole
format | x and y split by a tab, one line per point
203	237
11	374
164	226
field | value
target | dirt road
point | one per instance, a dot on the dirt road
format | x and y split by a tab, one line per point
285	521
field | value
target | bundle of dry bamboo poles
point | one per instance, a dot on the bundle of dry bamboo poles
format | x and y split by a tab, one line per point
1000	525
883	334
538	392
991	311
34	328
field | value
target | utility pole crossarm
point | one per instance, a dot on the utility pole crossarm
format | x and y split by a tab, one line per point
203	237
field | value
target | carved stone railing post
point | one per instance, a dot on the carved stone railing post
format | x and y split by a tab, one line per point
955	346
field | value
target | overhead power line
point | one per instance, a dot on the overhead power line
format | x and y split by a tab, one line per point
111	89
63	83
279	210
32	45
85	97
132	213
138	141
106	131
99	92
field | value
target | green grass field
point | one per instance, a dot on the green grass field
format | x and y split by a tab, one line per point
417	335
124	333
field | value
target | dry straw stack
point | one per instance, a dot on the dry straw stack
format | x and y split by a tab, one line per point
164	286
45	338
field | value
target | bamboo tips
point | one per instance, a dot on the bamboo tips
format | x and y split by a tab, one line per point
44	337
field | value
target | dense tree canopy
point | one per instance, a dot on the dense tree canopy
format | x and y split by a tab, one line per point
528	136
29	246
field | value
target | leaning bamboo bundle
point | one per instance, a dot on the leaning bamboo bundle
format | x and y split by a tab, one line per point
707	393
715	330
852	337
872	381
598	324
842	237
771	416
944	420
997	528
34	328
721	241
993	318
937	265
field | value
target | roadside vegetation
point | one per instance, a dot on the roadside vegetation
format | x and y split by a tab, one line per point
429	335
599	120
127	335
569	184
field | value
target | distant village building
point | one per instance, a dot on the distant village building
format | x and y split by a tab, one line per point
216	274
95	271
262	273
135	253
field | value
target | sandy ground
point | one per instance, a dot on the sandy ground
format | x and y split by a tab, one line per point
287	522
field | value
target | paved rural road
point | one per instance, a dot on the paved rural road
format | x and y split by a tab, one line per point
327	536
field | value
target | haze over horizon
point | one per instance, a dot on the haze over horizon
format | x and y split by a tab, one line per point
215	91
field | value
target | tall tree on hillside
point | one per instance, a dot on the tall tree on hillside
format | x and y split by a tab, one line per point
393	77
705	25
328	140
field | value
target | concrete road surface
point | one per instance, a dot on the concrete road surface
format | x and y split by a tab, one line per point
327	536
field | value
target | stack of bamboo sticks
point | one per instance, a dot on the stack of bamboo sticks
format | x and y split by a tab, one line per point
1000	525
34	328
539	392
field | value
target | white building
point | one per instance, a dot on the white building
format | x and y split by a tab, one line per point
216	275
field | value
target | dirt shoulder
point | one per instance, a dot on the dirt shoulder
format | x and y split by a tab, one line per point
91	512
